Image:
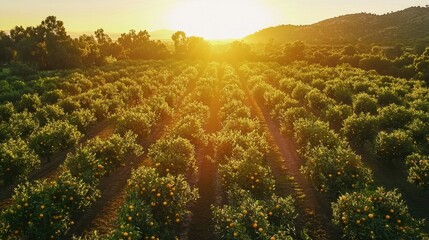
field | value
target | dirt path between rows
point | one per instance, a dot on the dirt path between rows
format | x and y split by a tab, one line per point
201	226
314	208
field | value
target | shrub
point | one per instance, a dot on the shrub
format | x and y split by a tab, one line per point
243	125
54	137
394	146
234	144
249	175
375	214
136	121
163	200
418	170
173	155
314	133
394	117
335	170
17	160
84	165
49	113
250	219
232	110
290	115
317	101
364	103
336	114
45	210
112	152
6	111
82	118
191	128
359	129
340	91
21	124
29	102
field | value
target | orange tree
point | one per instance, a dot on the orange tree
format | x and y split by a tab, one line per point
418	169
173	155
154	205
17	160
54	137
248	174
336	170
46	210
112	152
249	219
375	214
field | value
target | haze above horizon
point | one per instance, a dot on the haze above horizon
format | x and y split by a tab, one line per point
220	19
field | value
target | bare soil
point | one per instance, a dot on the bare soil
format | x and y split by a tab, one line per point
201	225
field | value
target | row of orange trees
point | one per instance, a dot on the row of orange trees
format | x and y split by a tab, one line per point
47	209
317	105
55	112
253	210
159	194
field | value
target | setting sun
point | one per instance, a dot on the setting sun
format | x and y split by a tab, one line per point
220	19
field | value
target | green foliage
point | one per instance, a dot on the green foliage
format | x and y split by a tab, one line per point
248	174
45	210
6	111
29	102
174	156
393	147
112	152
197	109
232	110
300	91
394	117
49	113
336	170
154	199
54	137
138	121
69	105
235	144
17	160
375	214
84	165
21	124
248	218
364	103
359	129
317	101
418	170
340	91
244	125
336	114
191	128
314	133
82	118
386	96
288	117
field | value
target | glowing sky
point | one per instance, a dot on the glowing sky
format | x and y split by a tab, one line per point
212	19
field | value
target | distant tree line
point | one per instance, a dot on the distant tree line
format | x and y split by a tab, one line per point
48	46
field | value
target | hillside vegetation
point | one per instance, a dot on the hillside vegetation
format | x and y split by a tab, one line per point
406	26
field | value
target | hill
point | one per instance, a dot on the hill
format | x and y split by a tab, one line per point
163	34
407	26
